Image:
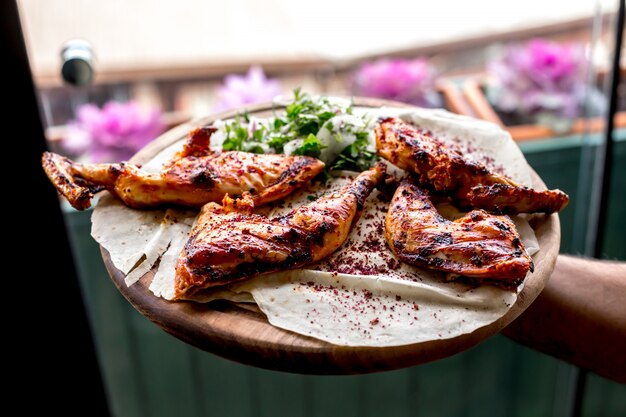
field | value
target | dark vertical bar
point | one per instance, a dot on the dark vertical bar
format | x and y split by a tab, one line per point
606	157
579	393
63	375
607	146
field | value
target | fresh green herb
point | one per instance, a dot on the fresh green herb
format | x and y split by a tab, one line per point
310	147
306	115
259	134
252	147
278	123
277	141
236	134
303	118
355	157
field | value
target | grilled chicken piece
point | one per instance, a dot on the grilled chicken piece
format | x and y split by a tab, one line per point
195	176
443	169
479	245
229	243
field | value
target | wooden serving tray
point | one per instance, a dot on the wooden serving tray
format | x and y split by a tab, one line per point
241	332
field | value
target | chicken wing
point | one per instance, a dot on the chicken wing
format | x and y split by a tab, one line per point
479	245
195	176
443	169
229	243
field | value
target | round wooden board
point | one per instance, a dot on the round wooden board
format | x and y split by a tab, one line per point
241	332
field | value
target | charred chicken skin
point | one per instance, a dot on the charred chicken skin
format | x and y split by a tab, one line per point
443	169
479	245
229	243
196	175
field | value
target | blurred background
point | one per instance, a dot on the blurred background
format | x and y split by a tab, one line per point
110	76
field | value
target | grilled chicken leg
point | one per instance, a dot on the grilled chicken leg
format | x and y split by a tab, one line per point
479	245
229	243
195	176
443	169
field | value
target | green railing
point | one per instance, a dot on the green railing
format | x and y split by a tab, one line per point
558	163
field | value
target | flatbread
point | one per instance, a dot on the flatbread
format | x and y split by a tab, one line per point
126	238
375	311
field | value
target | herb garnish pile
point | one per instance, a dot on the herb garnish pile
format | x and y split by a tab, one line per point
311	126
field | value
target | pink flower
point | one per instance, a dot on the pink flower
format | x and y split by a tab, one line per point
543	80
251	88
111	134
409	81
550	63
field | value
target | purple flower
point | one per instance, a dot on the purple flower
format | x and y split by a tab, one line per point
251	88
111	134
550	63
542	80
409	81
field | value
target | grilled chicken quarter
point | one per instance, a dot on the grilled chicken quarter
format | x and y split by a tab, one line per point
195	176
483	246
230	243
442	169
